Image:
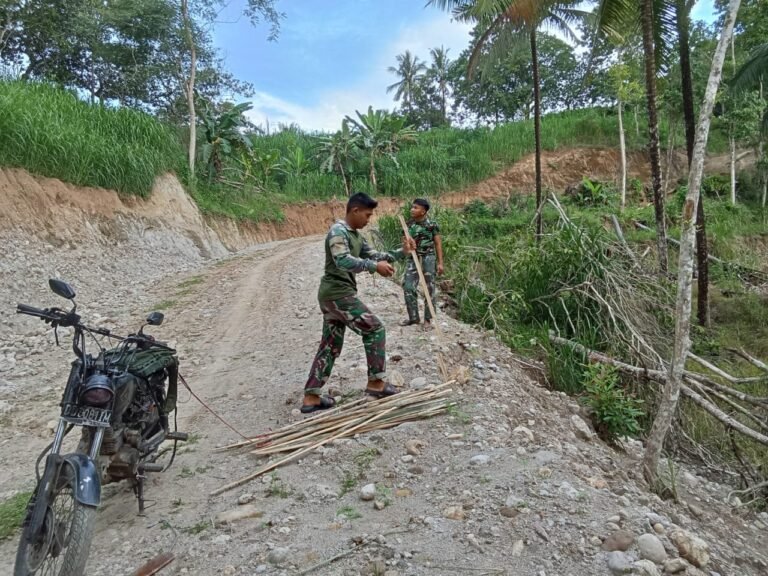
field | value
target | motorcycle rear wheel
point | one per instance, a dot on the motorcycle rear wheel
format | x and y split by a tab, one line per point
63	541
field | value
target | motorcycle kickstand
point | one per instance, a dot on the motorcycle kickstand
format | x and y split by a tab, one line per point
139	489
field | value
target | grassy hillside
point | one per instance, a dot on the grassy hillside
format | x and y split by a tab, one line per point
51	132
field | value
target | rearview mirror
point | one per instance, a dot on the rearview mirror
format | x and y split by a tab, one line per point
155	318
61	288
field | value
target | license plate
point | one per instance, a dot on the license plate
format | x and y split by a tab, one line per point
86	415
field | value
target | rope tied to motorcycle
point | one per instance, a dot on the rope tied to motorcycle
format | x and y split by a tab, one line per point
211	410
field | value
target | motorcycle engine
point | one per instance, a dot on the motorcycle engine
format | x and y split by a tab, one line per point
136	415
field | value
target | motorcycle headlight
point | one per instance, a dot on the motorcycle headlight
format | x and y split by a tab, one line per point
97	391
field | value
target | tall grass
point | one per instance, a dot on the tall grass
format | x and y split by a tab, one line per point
51	132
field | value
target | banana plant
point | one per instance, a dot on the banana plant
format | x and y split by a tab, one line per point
336	153
223	135
381	134
294	164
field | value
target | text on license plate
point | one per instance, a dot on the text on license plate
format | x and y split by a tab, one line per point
86	415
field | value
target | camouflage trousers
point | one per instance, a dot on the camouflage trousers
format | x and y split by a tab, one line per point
338	315
411	286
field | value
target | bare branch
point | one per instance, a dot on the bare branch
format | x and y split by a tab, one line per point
659	376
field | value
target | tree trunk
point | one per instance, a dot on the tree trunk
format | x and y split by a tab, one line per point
190	87
373	173
671	394
760	153
653	132
689	117
443	98
637	122
732	146
344	178
732	135
670	153
623	151
537	130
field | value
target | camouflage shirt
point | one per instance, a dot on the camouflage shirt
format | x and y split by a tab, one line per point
346	254
424	233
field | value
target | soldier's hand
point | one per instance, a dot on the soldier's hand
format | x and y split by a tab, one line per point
409	245
439	269
385	268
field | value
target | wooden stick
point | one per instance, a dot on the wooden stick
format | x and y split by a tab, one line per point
331	560
723	417
293	456
754	361
428	299
356	547
723	374
155	564
422	413
405	413
362	404
304	437
328	414
758	274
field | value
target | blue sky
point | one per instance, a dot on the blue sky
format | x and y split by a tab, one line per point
331	57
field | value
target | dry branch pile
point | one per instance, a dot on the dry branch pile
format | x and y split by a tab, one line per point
701	389
357	417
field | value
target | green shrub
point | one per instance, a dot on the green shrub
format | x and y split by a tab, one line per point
565	369
614	413
591	193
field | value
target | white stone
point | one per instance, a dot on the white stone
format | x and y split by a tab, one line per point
368	492
580	428
651	548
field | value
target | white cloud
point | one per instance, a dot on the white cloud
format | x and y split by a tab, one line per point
333	104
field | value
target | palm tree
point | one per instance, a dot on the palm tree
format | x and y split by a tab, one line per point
670	397
615	17
380	134
438	71
410	70
669	19
505	24
682	17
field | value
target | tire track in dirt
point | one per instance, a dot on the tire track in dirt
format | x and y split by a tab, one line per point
251	299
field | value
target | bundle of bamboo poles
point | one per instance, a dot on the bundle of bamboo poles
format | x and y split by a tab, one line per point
357	417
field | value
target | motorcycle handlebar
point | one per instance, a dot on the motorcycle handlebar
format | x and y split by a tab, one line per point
31	310
52	315
64	319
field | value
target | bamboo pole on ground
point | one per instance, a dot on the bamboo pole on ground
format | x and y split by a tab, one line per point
341	413
275	464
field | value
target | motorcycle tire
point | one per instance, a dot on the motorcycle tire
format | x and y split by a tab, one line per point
66	540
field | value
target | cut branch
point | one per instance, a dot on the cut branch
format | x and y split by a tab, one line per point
748	273
659	376
723	374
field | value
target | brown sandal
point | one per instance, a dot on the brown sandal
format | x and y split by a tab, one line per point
326	402
388	390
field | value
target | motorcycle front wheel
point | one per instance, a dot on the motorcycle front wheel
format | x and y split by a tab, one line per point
59	547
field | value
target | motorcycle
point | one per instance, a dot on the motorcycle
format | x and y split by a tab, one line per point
119	399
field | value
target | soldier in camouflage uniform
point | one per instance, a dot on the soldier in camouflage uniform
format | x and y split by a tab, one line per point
429	248
346	254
